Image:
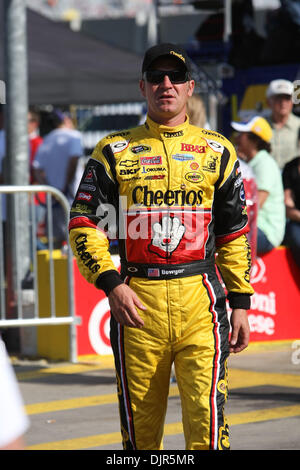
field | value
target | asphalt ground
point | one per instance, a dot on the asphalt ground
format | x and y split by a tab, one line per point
74	406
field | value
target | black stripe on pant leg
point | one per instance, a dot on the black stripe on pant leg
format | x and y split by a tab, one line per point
220	332
221	389
126	416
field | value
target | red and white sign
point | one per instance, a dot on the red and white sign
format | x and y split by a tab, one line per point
275	306
92	306
274	313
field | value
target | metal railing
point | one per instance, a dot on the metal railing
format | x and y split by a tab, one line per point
12	292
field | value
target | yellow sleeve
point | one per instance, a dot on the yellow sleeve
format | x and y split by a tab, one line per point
234	262
95	207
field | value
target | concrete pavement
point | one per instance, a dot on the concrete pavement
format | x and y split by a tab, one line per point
74	406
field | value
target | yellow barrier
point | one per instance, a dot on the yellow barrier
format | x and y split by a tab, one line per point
53	340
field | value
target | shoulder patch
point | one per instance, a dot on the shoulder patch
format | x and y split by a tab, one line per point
119	146
215	146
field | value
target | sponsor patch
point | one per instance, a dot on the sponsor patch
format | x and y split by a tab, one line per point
194	177
211	164
84	196
169	135
140	148
150	160
129	171
238	181
81	208
89	177
242	194
88	187
194	166
129	163
237	170
151	169
215	146
182	157
119	146
193	148
154	177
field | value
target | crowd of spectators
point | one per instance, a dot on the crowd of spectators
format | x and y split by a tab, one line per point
269	153
54	160
271	147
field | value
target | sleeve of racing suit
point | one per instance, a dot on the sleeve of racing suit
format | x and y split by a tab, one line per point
93	211
231	226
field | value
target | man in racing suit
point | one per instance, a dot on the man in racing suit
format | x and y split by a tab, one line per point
175	193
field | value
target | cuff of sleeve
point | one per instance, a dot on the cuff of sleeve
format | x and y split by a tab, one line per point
108	280
238	300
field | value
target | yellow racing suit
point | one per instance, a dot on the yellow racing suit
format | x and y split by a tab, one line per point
174	198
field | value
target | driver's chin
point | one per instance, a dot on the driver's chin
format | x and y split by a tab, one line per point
168	109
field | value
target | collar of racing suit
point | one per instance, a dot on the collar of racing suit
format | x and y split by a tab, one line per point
161	131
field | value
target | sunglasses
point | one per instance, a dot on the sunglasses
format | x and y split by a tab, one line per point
175	76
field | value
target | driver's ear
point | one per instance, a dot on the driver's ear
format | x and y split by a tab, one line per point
142	87
191	87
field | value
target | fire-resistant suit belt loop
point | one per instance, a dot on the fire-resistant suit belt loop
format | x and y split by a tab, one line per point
167	271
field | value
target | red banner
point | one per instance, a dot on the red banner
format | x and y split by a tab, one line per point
275	306
274	313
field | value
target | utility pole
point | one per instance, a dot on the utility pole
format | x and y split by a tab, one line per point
16	162
227	20
157	17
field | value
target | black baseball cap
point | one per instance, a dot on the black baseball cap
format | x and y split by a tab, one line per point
166	49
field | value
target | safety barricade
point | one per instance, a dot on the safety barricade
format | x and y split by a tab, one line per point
36	285
273	317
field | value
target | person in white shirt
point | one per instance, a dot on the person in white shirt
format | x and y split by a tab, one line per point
14	421
285	125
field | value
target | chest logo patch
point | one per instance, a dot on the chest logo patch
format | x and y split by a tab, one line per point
193	148
140	148
150	160
194	177
182	157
